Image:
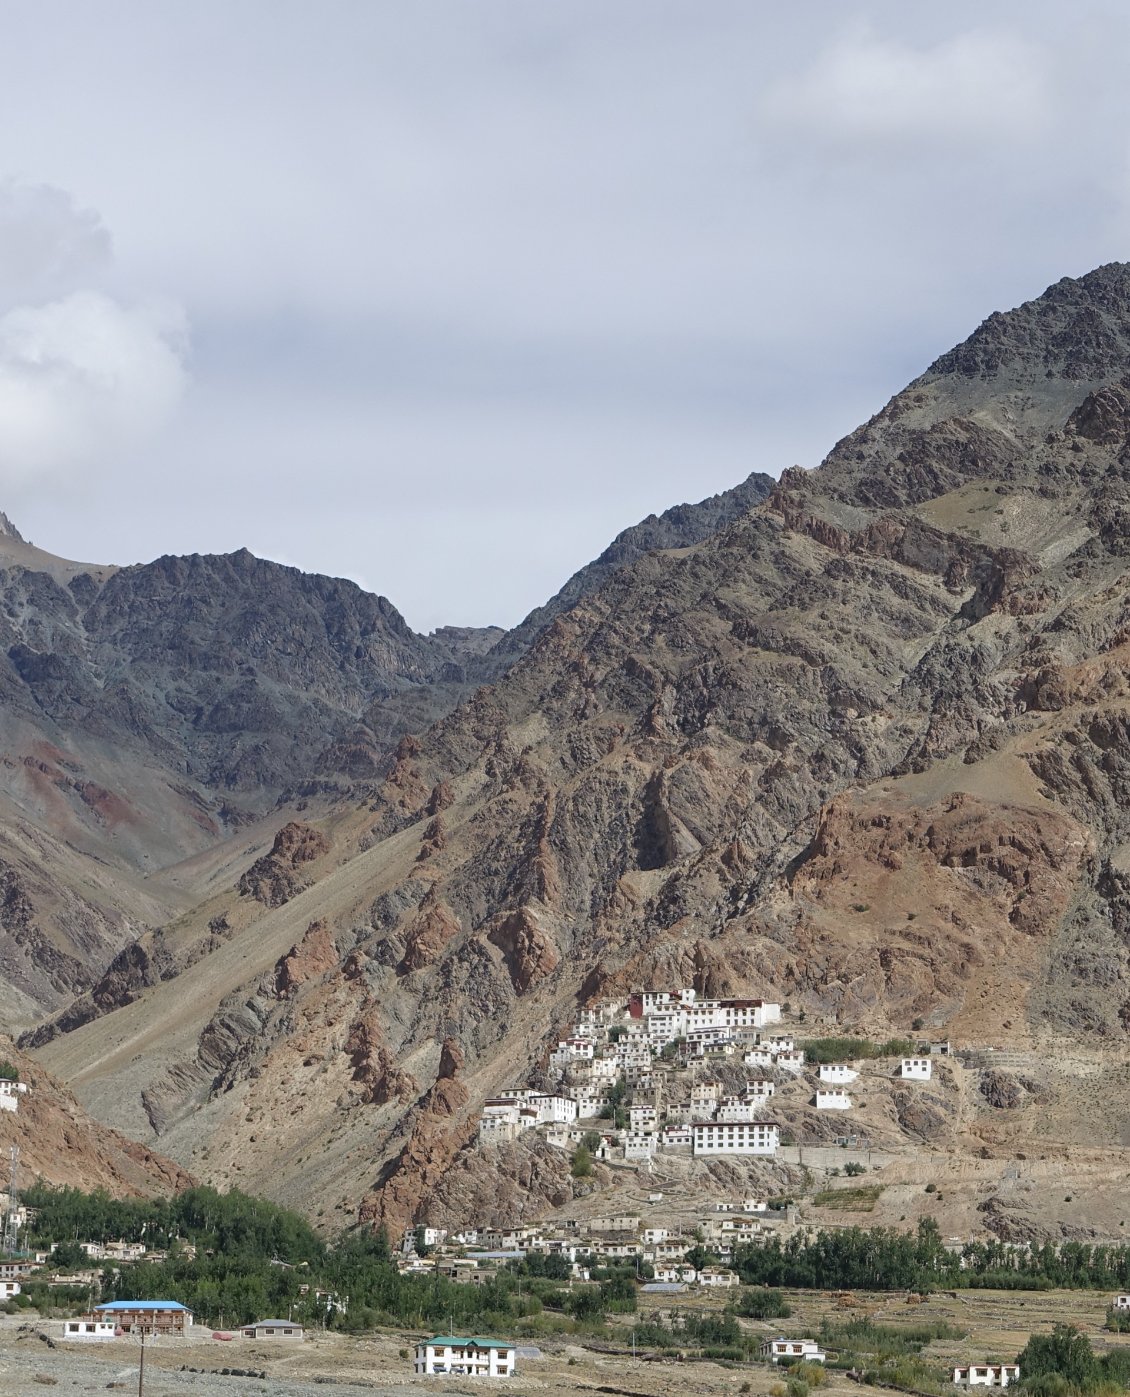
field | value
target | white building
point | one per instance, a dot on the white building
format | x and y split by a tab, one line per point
554	1109
799	1350
987	1375
676	1136
1120	1302
639	1145
833	1099
10	1093
733	1108
89	1329
465	1357
917	1069
790	1061
429	1236
642	1119
9	1290
836	1072
718	1278
758	1057
748	1137
760	1088
653	1001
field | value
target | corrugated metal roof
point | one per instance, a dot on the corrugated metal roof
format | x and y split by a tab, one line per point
144	1305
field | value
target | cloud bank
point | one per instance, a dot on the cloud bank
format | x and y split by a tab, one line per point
82	378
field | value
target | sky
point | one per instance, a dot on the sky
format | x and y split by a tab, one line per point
440	296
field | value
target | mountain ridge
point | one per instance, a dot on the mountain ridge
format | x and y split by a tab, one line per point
859	749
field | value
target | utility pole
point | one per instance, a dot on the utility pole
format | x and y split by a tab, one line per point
141	1370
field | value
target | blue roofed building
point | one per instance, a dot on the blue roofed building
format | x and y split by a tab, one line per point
146	1316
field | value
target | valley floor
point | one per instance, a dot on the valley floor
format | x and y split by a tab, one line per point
997	1324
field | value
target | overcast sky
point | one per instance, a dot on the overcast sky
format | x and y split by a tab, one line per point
441	294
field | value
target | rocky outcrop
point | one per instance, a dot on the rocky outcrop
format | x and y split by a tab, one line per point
426	936
275	878
530	953
314	956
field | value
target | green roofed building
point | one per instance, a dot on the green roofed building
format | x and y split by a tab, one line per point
487	1358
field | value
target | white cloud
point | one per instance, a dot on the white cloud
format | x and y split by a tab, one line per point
48	243
82	377
866	89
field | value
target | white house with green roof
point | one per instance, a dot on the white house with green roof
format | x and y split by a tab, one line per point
445	1354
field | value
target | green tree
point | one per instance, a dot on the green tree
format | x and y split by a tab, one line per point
1066	1353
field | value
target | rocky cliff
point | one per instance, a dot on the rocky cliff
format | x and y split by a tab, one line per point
860	748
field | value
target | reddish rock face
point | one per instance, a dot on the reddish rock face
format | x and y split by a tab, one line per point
427	935
530	954
274	879
314	956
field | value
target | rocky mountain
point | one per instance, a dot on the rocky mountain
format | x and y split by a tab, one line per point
60	1144
861	748
155	715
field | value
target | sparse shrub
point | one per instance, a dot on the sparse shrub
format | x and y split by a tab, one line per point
582	1163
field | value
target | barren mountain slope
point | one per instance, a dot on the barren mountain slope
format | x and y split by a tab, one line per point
862	750
151	717
60	1144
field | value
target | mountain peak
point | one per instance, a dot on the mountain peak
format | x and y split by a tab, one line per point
9	530
1078	329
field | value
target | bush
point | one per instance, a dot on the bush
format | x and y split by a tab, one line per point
854	1169
582	1163
763	1303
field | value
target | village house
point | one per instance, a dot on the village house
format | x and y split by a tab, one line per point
429	1236
733	1108
736	1138
115	1251
273	1329
672	1274
917	1069
833	1099
758	1057
1120	1302
554	1109
640	1146
13	1270
10	1093
620	1222
465	1357
987	1375
790	1061
642	1118
676	1136
718	1278
654	1235
760	1088
9	1290
144	1316
836	1072
89	1329
795	1350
